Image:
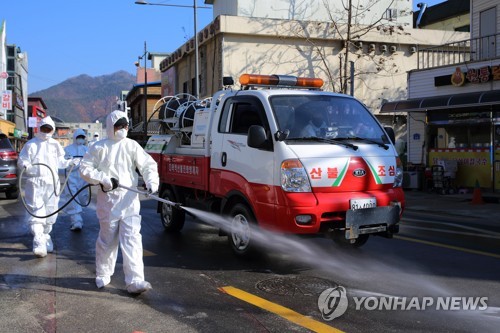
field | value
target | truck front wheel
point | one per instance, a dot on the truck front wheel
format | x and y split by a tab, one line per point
172	218
339	238
240	233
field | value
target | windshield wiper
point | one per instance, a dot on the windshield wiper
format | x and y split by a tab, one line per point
330	140
357	138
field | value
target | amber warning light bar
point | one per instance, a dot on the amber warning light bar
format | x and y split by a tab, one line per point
280	80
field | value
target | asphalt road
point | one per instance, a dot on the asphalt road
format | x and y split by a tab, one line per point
200	286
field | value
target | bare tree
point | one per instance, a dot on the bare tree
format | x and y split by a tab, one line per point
352	30
348	25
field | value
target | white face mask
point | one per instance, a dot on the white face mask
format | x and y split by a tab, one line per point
80	141
121	134
44	136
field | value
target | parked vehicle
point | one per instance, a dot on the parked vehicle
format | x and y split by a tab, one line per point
8	168
282	155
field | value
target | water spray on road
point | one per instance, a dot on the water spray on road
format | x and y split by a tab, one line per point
353	268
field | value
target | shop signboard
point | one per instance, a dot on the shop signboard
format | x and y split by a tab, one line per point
470	75
442	117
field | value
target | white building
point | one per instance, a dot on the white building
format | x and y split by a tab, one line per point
365	12
13	90
306	38
453	103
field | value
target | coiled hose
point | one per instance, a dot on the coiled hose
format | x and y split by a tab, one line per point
73	197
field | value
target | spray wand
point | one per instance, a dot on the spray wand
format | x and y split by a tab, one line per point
152	196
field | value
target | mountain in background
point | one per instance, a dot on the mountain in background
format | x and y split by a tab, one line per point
85	99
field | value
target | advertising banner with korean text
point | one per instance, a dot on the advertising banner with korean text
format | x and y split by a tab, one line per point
6	103
472	165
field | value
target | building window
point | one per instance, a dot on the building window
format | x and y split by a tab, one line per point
11	65
391	14
11	51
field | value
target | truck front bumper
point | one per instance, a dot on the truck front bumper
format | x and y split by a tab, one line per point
370	220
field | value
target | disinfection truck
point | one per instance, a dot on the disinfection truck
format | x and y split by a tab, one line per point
282	155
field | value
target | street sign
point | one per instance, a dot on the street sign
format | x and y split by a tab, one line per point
4	75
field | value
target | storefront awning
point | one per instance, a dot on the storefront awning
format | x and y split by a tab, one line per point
483	98
7	127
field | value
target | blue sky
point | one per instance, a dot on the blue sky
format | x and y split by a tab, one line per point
66	38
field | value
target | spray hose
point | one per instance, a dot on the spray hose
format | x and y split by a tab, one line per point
54	183
148	194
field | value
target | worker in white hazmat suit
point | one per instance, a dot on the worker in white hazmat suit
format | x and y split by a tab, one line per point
41	196
95	139
117	157
74	183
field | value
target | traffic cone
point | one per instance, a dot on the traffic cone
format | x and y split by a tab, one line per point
477	197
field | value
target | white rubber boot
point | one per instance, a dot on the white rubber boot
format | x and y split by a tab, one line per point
102	281
40	246
39	240
138	287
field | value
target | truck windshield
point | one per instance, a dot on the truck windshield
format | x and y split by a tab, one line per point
325	116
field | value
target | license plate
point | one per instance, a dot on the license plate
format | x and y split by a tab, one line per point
363	203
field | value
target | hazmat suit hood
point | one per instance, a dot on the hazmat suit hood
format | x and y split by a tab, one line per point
79	132
47	121
111	119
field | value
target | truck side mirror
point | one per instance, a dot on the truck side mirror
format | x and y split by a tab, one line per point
257	137
390	133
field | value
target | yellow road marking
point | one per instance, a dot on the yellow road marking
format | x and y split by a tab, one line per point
281	311
457	248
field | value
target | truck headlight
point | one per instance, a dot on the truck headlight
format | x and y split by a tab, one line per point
398	178
294	177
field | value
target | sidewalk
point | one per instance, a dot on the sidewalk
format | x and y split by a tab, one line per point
455	204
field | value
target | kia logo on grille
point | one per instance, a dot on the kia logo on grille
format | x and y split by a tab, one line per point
359	172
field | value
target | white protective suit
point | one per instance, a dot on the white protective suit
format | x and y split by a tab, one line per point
95	139
39	184
76	150
118	209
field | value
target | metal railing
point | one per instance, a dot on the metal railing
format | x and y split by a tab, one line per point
475	49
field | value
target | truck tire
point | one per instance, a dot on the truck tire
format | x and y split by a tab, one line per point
240	233
338	238
172	218
360	241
